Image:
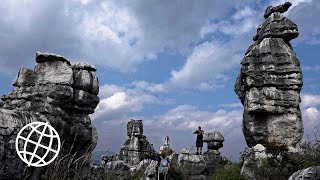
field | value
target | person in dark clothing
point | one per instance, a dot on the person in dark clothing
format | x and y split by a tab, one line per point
199	142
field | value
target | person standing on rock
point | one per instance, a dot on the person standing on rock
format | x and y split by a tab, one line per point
199	142
163	165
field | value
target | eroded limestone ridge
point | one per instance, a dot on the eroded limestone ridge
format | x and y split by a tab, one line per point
270	82
55	91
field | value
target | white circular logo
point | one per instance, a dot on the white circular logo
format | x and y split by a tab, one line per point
38	144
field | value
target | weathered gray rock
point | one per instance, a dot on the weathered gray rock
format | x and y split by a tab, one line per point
166	146
251	158
85	78
214	139
44	57
137	147
117	170
151	172
140	168
213	160
310	173
277	26
47	94
54	72
85	66
281	8
25	77
270	82
95	83
191	164
117	165
84	98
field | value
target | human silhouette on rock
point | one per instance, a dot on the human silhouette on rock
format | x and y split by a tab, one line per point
199	142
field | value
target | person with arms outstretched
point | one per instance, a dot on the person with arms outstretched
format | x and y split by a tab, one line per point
199	142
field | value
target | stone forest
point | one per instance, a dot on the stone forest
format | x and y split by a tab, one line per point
63	94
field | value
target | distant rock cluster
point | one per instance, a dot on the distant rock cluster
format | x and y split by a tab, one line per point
136	148
270	82
55	91
137	155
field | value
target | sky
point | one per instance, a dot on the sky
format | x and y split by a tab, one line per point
172	64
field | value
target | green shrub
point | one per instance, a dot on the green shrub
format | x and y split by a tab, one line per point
231	172
176	174
282	164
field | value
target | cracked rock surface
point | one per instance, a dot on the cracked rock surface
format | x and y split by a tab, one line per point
269	83
56	92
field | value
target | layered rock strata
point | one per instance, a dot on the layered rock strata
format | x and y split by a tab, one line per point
136	148
214	139
270	82
57	92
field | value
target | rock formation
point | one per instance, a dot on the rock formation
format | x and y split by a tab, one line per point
57	92
214	139
252	157
190	164
310	173
166	146
196	166
270	82
136	148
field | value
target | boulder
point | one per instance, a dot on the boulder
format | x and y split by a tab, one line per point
151	172
191	164
25	77
251	158
310	173
45	57
214	139
84	66
86	99
54	72
281	9
83	80
117	170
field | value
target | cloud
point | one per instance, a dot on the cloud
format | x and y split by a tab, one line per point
108	90
150	87
232	105
310	104
117	102
112	34
205	68
315	68
29	26
309	100
242	21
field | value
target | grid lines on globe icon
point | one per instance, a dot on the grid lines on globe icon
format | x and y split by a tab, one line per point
39	148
